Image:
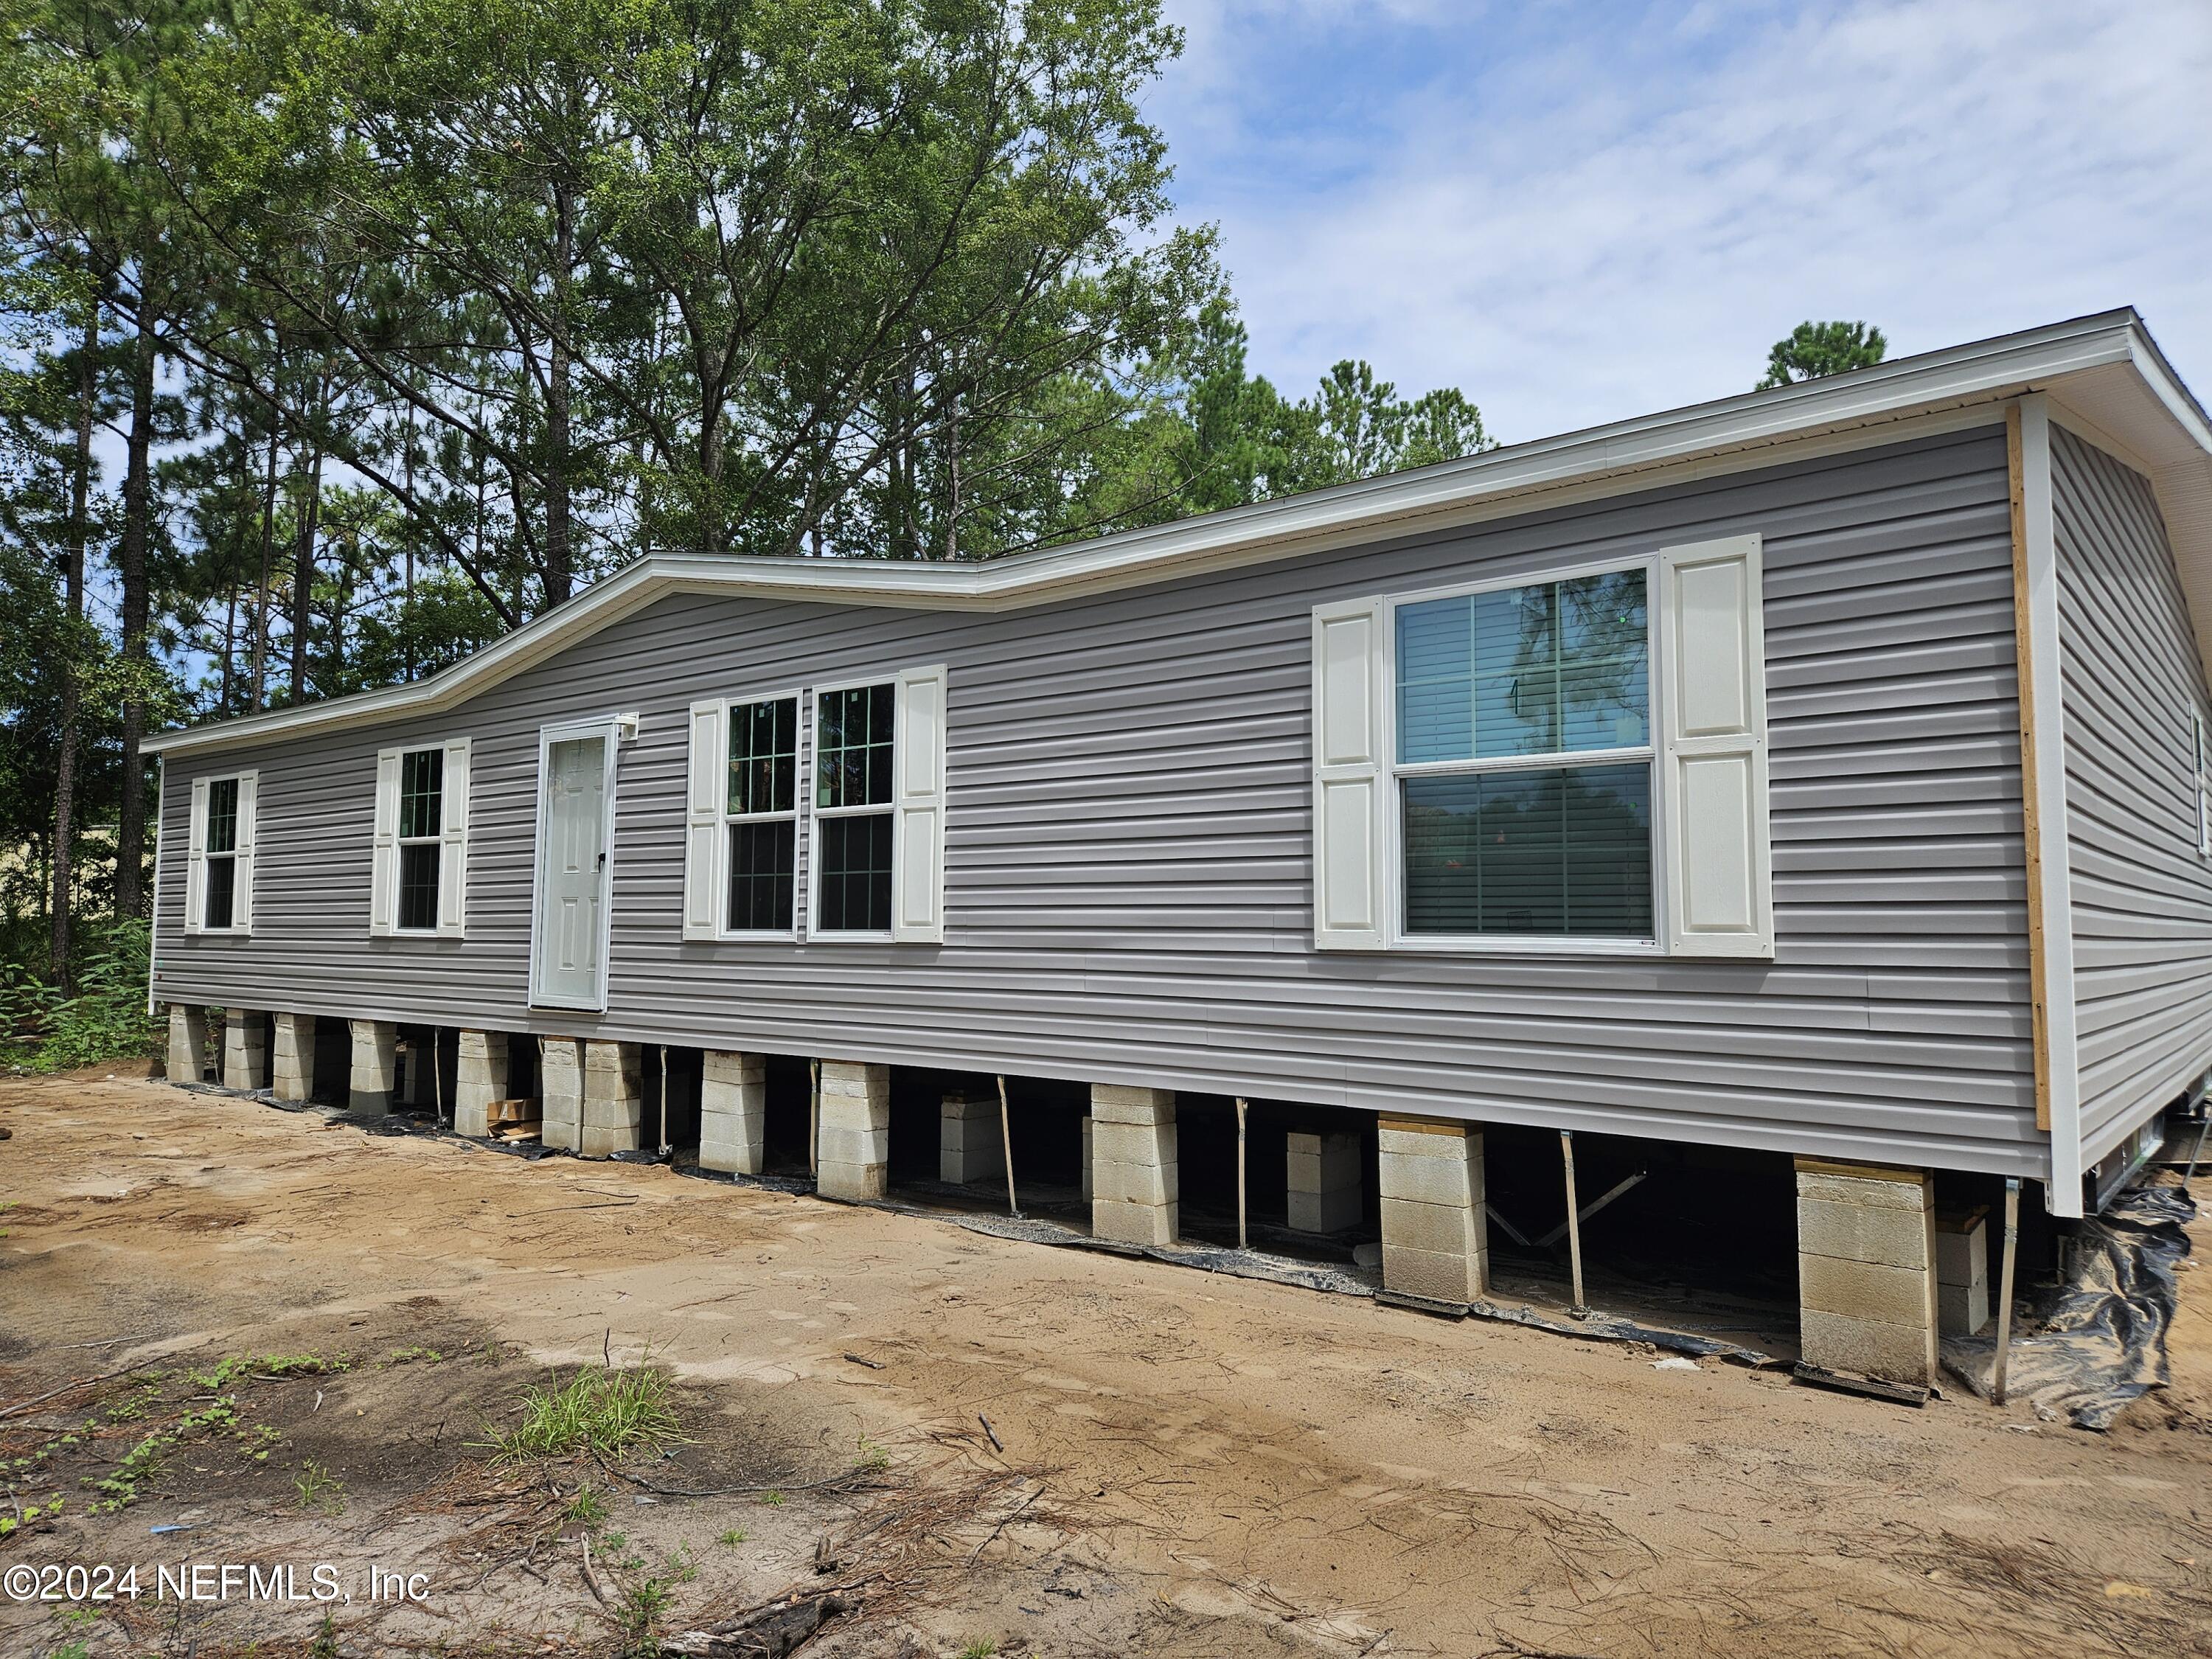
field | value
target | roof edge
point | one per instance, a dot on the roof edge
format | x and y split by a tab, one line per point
1979	373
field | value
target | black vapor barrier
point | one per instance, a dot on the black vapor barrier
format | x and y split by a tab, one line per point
2099	1341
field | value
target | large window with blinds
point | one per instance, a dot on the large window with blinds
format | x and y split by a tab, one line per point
1524	761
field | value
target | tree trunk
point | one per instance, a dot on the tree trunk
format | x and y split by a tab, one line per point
138	536
303	574
268	571
560	564
62	898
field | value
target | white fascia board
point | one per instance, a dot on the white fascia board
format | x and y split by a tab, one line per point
1602	459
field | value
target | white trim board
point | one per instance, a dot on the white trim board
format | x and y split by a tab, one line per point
1963	387
2047	669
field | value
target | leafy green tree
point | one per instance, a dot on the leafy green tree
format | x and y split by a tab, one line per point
1814	350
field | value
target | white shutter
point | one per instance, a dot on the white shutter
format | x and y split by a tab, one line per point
453	839
196	861
1349	775
705	791
918	822
242	906
1719	856
383	855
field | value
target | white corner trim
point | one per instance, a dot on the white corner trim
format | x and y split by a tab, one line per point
1963	385
2047	688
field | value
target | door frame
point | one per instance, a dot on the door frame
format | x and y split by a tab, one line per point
606	727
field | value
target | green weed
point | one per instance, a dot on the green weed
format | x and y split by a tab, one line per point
609	1412
731	1538
319	1489
586	1506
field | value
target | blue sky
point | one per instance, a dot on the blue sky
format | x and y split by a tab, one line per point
1578	212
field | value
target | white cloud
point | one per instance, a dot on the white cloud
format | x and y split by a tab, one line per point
1576	220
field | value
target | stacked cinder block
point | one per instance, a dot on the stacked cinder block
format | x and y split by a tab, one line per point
188	1042
969	1147
1434	1241
479	1078
1324	1182
614	1098
1134	1184
561	1091
732	1112
293	1076
245	1049
1962	1271
374	1072
1866	1270
853	1157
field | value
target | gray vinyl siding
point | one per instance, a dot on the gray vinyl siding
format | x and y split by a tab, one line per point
2141	892
1129	859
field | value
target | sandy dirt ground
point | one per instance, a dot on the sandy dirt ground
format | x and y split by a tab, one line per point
1188	1463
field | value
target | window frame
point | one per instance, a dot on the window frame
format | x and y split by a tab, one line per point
1395	934
802	770
816	813
401	842
2201	760
196	832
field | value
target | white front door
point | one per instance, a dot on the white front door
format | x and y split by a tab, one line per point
569	967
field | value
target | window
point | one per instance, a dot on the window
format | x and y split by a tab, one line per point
763	814
421	792
849	785
854	749
418	874
1524	762
219	884
2203	747
219	856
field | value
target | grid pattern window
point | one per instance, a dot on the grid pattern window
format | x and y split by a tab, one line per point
219	904
1525	761
855	730
421	823
761	815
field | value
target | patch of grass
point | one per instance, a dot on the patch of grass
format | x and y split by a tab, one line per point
326	1644
731	1538
231	1367
319	1489
408	1356
609	1412
643	1606
872	1457
773	1499
586	1506
681	1568
981	1647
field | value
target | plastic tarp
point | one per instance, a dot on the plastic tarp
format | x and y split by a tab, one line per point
2099	1341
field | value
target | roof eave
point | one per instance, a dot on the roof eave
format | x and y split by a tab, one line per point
1962	377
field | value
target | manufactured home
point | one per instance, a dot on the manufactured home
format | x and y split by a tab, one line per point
1815	783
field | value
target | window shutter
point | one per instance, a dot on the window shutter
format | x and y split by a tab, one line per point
1720	857
705	791
195	860
453	839
241	912
918	824
1348	775
384	856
